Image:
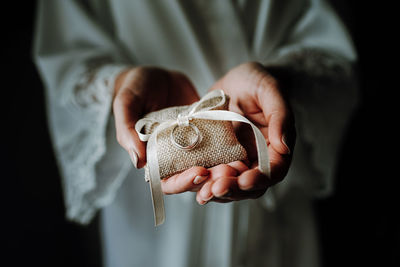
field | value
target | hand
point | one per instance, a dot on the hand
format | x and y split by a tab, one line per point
144	89
255	94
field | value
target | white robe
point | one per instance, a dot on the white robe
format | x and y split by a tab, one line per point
80	47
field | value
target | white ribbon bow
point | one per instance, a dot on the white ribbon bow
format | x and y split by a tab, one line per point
183	120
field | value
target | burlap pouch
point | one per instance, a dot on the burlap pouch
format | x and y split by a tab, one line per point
200	134
218	144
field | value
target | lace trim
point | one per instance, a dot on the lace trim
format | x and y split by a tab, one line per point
87	95
92	97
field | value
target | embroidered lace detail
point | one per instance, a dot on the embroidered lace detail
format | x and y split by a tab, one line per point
87	92
79	154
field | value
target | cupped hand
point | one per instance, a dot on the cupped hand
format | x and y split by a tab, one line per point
255	94
140	90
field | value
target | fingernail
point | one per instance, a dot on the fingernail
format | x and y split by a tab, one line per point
224	193
284	141
208	199
227	195
199	179
134	157
245	188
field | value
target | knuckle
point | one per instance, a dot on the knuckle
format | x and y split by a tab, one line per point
224	167
228	168
267	82
197	169
225	170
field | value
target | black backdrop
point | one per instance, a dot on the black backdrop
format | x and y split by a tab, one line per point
358	224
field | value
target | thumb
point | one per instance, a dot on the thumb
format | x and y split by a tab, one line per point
281	133
279	117
127	108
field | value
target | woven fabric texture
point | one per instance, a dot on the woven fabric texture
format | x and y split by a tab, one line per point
218	144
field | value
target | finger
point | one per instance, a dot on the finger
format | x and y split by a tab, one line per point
239	166
227	189
188	180
253	180
281	132
279	164
222	170
126	108
204	194
224	186
220	200
278	115
239	195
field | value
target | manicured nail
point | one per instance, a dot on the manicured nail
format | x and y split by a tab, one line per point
199	179
284	141
227	195
246	188
134	157
208	199
224	193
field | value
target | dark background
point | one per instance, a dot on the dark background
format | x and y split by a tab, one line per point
358	224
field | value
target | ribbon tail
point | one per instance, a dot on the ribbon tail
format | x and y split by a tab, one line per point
157	195
152	158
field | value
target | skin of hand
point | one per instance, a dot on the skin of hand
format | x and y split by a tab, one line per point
255	94
140	90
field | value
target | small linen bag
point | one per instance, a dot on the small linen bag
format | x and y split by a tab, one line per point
200	134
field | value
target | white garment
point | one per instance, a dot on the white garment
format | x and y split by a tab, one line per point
80	47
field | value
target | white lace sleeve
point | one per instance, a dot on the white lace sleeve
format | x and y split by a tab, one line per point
322	91
80	152
315	61
78	61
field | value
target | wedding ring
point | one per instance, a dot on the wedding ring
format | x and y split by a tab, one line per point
190	146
